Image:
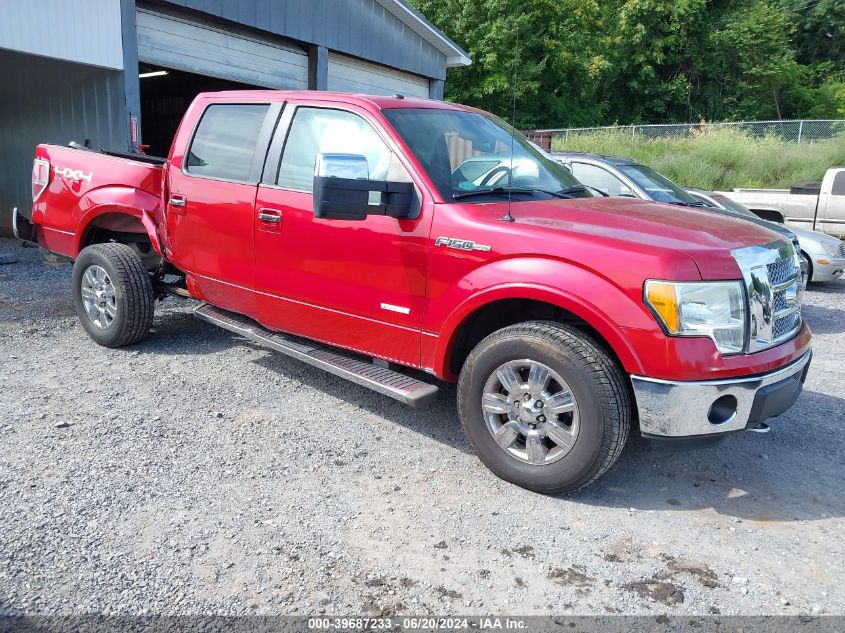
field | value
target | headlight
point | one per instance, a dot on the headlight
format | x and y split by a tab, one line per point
831	248
709	308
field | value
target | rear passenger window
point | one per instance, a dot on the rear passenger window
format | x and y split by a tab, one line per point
224	143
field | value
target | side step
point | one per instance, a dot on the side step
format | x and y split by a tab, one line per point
386	381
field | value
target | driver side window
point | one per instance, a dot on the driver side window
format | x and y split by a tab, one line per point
600	179
323	131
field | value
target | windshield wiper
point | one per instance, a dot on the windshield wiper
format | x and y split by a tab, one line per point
567	193
563	193
688	204
493	190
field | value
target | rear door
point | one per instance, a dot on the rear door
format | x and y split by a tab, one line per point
831	217
210	197
355	284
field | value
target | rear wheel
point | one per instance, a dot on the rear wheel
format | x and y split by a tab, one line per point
113	294
544	406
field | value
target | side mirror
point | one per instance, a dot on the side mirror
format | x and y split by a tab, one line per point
342	189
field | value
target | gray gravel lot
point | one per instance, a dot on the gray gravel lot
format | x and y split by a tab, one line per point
195	473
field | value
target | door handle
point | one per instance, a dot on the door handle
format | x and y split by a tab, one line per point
271	216
177	203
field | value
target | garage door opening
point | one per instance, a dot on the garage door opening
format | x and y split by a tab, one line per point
165	96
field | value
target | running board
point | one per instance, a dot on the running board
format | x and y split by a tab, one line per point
385	381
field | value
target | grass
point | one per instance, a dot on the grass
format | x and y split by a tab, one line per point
718	159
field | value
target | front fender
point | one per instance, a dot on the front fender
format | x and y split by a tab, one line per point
122	200
596	300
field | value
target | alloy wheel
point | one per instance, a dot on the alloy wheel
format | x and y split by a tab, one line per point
98	297
531	412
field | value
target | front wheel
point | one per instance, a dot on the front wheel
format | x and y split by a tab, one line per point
113	294
807	273
544	406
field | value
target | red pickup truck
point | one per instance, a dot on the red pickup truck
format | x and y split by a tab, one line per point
385	238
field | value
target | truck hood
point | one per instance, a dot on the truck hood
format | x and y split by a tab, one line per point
780	229
706	237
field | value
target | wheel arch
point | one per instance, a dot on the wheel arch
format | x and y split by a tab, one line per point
505	305
119	210
809	261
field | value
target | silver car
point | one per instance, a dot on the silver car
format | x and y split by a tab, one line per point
619	176
824	255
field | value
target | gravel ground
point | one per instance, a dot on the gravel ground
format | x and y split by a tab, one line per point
195	473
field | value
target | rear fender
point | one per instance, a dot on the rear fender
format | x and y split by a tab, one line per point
128	201
587	295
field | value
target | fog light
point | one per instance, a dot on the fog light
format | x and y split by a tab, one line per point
722	410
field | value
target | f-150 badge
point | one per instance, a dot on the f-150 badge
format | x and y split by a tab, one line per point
461	245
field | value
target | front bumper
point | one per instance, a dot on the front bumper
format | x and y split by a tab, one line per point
674	409
831	271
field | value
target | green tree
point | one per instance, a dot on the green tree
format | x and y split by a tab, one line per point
819	35
540	52
751	53
599	62
650	52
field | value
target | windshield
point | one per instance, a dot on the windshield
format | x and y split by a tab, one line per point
464	152
659	188
733	206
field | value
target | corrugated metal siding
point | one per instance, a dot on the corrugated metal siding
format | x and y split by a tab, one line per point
199	48
361	28
347	74
53	102
87	32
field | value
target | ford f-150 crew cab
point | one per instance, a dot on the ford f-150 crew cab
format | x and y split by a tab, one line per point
364	235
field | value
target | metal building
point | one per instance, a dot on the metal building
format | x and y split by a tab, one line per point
120	73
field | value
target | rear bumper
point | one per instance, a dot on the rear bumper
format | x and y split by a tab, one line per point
22	228
675	409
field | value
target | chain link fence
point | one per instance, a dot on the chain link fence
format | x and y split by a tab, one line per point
801	131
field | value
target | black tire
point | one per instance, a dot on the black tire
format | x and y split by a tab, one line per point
809	264
596	382
134	301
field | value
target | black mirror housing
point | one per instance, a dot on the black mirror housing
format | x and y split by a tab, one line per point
349	198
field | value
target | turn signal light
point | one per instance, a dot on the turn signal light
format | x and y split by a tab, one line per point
663	298
824	262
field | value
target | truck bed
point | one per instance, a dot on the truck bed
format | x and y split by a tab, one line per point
84	184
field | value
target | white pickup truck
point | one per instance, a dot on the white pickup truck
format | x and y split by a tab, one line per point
805	206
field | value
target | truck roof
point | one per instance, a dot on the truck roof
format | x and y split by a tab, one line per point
612	160
379	101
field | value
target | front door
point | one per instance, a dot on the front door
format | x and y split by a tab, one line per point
831	217
355	284
210	197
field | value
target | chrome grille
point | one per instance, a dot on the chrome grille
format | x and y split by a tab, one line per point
772	278
785	326
782	271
